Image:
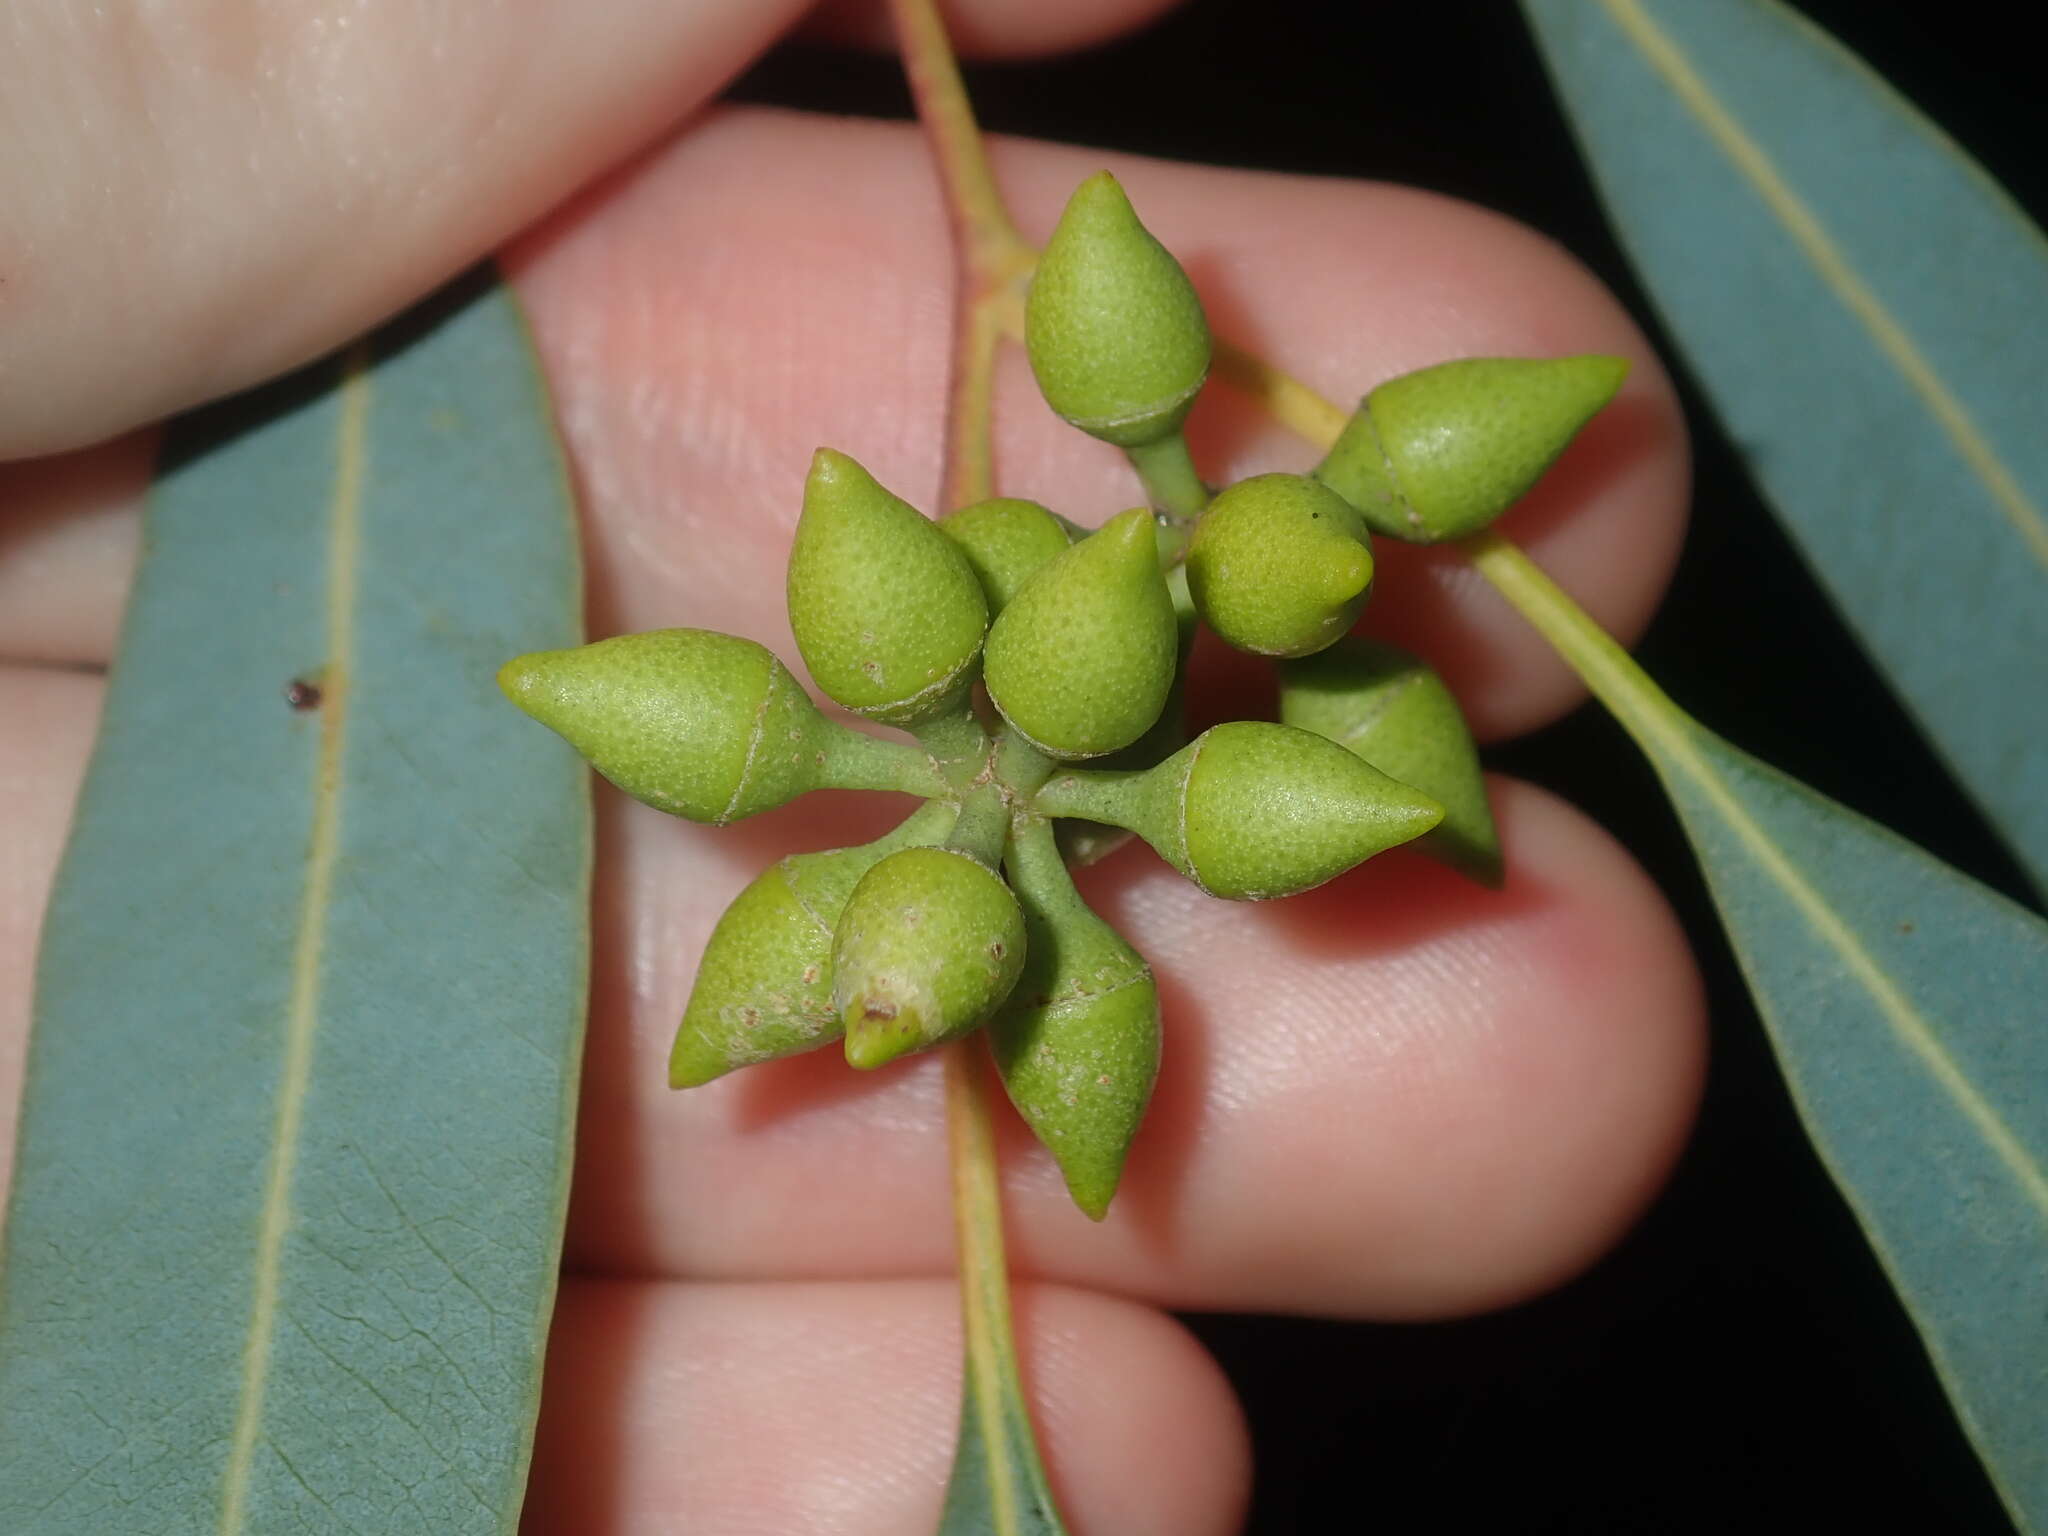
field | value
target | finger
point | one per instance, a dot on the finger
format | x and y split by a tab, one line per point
774	282
50	719
1398	1095
199	197
831	1410
999	29
724	1406
70	530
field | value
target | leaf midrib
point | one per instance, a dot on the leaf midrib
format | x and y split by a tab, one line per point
302	1014
1663	55
1671	739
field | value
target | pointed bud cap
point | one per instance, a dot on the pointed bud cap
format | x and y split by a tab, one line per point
1442	452
930	942
1005	539
1082	659
1077	1045
698	724
1114	331
1392	710
1280	565
887	612
1252	810
764	987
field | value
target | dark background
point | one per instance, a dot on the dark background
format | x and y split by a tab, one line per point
1740	1363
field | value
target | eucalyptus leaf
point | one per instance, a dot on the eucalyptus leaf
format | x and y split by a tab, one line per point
287	1211
1869	314
998	1486
1905	1003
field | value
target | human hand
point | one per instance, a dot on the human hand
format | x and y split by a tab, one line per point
1395	1096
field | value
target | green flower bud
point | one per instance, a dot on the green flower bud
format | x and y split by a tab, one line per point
1112	325
1081	661
1077	1042
1393	711
930	942
887	611
764	988
1252	810
1005	540
1442	452
698	724
1280	565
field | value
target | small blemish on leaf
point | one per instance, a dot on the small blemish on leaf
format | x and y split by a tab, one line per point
302	695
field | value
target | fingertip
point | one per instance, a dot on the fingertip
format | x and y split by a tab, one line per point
1178	1429
991	29
834	1407
1593	1079
1411	1097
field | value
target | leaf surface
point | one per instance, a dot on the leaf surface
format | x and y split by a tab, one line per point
287	1211
1908	1006
1868	313
997	1486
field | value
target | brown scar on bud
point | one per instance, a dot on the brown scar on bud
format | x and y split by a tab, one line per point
879	1013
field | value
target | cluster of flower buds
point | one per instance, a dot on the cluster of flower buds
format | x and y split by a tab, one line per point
1037	672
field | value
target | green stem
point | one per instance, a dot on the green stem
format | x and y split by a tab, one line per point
856	760
1038	870
998	1452
980	220
1643	709
1169	733
970	446
1170	479
958	748
1115	796
994	260
994	1395
984	825
1020	766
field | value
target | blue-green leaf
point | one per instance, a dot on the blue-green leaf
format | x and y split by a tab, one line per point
997	1486
1869	314
1906	1004
287	1211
